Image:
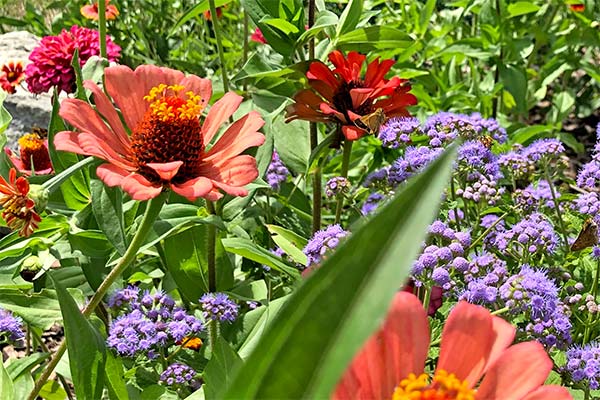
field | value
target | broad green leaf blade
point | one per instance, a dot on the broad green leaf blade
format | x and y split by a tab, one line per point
6	384
107	205
248	249
5	116
350	17
374	38
115	381
328	318
219	369
521	8
85	345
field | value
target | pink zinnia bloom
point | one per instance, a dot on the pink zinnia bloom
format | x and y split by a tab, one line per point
90	11
258	36
475	344
168	147
11	74
51	60
34	155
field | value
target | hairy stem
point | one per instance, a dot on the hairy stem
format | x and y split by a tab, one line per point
345	165
102	27
215	25
210	251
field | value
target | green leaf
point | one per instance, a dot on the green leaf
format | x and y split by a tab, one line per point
23	365
289	242
194	12
425	16
6	384
521	8
53	391
256	322
115	381
85	345
281	24
350	17
5	116
220	368
514	80
107	205
248	249
374	38
528	133
41	310
343	302
291	142
570	140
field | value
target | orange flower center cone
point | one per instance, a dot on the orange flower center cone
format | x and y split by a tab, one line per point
170	131
33	152
444	386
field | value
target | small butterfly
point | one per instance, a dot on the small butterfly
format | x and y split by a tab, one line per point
587	237
371	122
487	141
41	132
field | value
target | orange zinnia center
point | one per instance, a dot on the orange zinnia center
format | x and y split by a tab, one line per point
34	154
444	386
170	131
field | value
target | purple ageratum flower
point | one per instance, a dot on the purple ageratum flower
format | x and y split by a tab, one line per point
396	131
544	149
476	159
218	307
128	296
489	126
51	60
179	374
588	203
323	242
277	172
533	235
415	159
515	163
336	186
583	364
11	327
589	175
482	190
154	321
444	127
533	197
371	203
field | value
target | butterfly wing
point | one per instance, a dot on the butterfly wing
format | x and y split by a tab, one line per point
587	237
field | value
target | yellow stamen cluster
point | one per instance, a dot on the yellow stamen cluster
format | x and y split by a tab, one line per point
169	107
444	386
31	142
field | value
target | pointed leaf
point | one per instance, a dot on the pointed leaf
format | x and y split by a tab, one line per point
218	371
318	330
107	205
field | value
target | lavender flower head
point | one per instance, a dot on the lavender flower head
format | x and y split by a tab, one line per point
371	203
323	242
588	203
544	149
533	235
533	197
475	159
150	322
516	163
124	297
277	172
179	374
336	186
218	307
583	365
10	326
415	159
442	128
396	131
589	175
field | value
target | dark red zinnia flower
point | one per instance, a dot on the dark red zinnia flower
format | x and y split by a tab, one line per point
343	95
577	7
11	74
258	36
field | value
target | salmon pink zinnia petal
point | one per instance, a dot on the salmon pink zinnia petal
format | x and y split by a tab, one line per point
549	392
194	188
219	113
140	188
166	171
241	135
521	369
397	349
467	341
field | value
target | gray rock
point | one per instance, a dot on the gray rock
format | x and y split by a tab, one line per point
26	109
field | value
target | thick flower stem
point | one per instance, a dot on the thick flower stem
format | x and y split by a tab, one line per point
152	210
215	25
556	207
314	138
102	27
588	327
52	184
213	334
345	165
210	251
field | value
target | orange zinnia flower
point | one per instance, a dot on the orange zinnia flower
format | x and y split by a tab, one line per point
17	208
34	155
11	75
475	344
91	11
343	96
168	146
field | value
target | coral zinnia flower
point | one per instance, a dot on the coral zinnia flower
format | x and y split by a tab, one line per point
51	60
17	208
474	344
90	11
34	155
168	146
342	96
11	75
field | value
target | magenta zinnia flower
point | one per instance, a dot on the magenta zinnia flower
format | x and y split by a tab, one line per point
51	60
169	146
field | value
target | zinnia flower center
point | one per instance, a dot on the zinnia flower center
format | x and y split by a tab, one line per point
170	131
343	101
34	154
444	386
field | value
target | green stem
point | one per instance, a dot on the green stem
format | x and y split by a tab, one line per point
62	380
210	251
345	165
488	230
427	299
215	24
314	138
102	27
500	311
52	184
588	325
213	334
152	210
246	48
556	207
453	194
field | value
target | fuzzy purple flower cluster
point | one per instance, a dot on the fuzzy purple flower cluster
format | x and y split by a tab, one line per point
51	60
533	236
277	172
583	365
179	374
336	186
11	327
322	243
444	127
150	322
218	307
